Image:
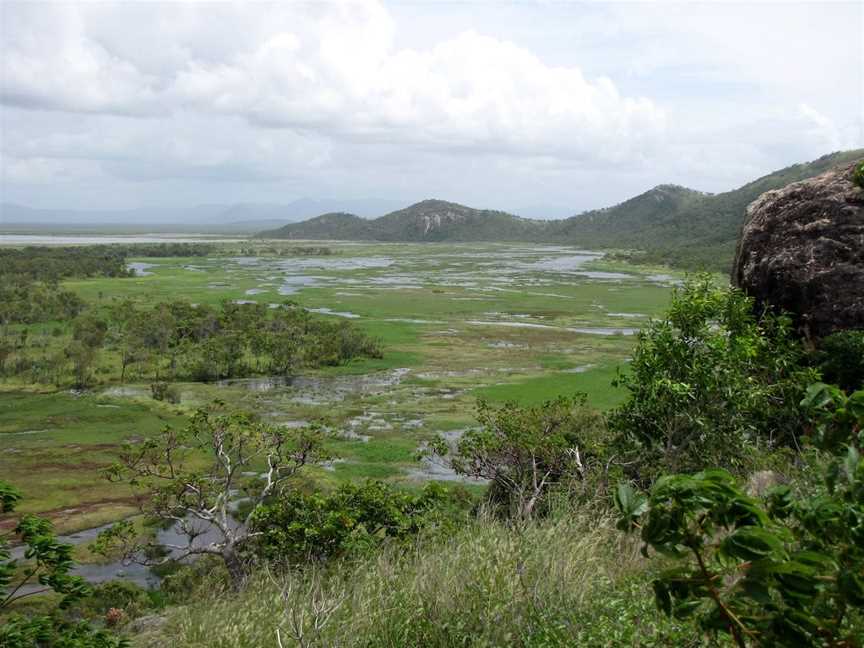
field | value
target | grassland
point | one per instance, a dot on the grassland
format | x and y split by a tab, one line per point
571	580
457	322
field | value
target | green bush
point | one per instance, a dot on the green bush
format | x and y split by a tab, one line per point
858	175
185	581
787	571
163	391
528	453
299	528
132	599
710	385
840	358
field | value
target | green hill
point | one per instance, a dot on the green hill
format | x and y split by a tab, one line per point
429	220
683	227
669	223
335	226
438	220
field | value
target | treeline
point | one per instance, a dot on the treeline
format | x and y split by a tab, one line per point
167	249
272	250
51	264
27	302
182	341
30	276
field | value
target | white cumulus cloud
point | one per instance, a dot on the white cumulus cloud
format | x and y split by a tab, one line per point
331	69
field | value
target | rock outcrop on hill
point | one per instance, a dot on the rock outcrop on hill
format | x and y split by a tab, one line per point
802	250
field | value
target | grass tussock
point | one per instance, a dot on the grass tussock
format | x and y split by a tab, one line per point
572	580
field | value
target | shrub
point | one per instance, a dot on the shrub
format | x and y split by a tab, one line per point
130	599
163	391
841	359
710	384
787	571
858	175
527	452
298	528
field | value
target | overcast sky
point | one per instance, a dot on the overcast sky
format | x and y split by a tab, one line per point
493	104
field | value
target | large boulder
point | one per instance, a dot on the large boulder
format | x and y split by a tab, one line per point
802	250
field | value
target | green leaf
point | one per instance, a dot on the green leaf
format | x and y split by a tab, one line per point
752	543
631	505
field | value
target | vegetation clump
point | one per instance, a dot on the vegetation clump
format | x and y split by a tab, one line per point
298	528
176	340
46	563
526	453
711	385
840	358
785	571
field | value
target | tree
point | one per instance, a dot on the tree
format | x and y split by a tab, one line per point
82	357
127	334
48	562
526	451
708	383
89	330
191	477
785	572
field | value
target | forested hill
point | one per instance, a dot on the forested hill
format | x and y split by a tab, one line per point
429	220
337	226
669	223
683	227
438	220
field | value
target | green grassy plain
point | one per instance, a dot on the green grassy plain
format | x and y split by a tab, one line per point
457	323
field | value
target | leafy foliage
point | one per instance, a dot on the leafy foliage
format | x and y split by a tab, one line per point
48	562
163	391
840	358
709	383
526	452
788	571
297	528
180	340
858	175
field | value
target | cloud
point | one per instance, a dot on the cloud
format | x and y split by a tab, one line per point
330	69
579	104
51	62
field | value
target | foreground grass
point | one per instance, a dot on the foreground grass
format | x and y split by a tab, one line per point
572	581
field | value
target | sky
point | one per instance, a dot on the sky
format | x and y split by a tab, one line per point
507	105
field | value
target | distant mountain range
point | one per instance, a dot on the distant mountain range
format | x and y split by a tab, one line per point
243	217
669	223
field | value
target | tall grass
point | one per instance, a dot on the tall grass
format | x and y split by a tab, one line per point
563	582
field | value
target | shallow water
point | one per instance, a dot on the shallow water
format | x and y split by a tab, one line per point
140	268
118	570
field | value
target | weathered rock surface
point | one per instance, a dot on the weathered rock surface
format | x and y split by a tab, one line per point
802	250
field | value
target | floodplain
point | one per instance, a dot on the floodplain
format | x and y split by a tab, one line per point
457	322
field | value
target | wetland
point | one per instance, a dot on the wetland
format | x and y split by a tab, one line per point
455	323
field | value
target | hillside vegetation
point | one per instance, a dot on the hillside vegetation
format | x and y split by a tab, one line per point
668	224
